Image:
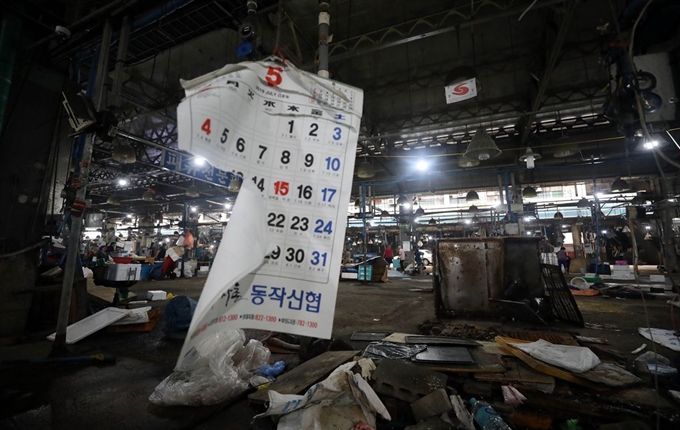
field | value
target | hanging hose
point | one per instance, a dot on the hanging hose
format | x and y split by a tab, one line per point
26	249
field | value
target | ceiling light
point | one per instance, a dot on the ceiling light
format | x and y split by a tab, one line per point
472	196
583	203
651	144
113	200
123	154
123	182
420	211
148	196
604	231
234	185
565	226
432	221
599	194
366	170
193	209
407	205
384	213
529	157
648	227
529	193
199	161
467	221
558	215
527	219
620	185
482	147
402	200
473	209
227	205
192	191
467	162
357	203
566	151
421	165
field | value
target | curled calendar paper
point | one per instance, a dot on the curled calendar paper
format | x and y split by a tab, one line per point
291	136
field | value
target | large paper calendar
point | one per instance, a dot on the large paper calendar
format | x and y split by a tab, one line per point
292	137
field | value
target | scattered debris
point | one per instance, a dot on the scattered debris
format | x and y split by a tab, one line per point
517	373
444	354
395	351
597	340
462	413
653	363
405	381
155	295
675	395
486	416
667	338
217	370
306	374
178	313
512	396
611	327
152	316
574	358
640	349
92	324
611	375
438	340
518	311
529	419
434	404
343	400
369	336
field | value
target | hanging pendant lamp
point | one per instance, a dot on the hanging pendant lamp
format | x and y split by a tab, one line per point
583	203
123	154
467	162
482	147
234	184
529	193
529	157
620	185
366	170
472	196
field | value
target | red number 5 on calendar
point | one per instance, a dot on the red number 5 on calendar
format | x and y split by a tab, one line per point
274	77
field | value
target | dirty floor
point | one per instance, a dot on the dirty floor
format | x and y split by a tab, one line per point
82	396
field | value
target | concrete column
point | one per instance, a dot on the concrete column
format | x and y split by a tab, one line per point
324	27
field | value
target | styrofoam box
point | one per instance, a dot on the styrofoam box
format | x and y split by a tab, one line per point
156	295
124	272
657	278
625	268
623	275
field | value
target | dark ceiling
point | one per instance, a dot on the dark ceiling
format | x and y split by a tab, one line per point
541	79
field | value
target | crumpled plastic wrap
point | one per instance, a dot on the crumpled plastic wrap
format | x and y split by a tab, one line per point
217	370
395	351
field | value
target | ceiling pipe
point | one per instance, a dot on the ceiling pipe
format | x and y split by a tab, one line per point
324	27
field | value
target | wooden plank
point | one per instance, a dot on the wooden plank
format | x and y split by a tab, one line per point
517	372
305	375
544	367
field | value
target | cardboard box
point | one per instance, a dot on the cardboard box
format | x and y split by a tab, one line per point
657	278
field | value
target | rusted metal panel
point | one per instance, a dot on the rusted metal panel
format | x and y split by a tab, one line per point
523	264
469	272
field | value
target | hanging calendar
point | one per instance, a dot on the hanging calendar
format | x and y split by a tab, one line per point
291	136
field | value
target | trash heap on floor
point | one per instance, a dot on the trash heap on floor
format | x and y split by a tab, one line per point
518	380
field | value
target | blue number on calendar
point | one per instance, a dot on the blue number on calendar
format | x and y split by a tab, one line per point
328	194
319	258
332	163
323	227
338	133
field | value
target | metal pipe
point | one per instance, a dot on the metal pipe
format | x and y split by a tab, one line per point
79	205
9	41
125	29
324	27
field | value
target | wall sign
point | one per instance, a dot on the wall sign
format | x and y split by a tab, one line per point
292	137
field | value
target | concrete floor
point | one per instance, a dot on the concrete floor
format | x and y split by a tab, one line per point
78	396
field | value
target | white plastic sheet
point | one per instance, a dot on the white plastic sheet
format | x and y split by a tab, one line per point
661	336
577	359
340	401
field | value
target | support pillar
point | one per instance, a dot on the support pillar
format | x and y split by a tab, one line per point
324	27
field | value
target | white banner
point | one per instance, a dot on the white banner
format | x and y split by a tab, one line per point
292	136
461	91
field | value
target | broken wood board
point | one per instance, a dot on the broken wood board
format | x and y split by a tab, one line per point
104	295
558	338
598	340
605	351
517	372
305	375
397	337
544	367
484	363
493	348
611	375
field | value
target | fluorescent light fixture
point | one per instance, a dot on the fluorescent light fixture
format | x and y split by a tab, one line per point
565	226
123	182
199	161
651	144
421	165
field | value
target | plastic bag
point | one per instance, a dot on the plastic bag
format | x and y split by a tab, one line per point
218	369
396	351
577	359
178	314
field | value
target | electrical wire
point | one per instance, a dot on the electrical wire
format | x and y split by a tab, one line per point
526	10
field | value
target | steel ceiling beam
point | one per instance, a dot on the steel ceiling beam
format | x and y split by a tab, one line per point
550	67
463	22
